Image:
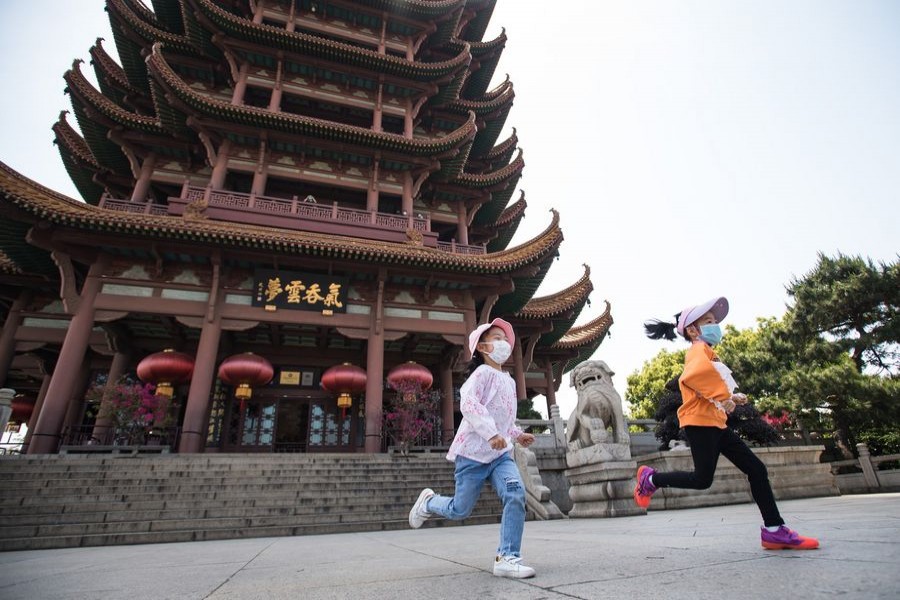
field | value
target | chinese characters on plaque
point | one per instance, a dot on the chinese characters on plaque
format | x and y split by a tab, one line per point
301	291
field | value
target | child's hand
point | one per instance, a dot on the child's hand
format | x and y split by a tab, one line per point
497	442
526	439
728	405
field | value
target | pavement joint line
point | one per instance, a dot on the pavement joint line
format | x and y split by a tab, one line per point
241	568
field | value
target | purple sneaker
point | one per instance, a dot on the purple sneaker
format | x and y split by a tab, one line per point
644	488
786	539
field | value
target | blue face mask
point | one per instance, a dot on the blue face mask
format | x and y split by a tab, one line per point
711	334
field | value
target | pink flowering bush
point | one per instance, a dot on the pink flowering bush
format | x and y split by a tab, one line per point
780	422
131	408
411	418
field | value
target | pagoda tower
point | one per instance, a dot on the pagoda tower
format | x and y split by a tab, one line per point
313	181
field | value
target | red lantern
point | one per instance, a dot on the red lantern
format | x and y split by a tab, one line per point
243	371
22	408
409	379
165	369
344	380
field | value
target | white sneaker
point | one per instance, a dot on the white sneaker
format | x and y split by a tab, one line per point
511	566
418	514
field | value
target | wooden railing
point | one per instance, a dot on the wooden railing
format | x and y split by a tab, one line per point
307	209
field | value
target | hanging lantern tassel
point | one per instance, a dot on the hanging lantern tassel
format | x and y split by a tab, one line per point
344	401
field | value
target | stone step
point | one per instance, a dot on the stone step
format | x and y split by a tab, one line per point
147	479
71	514
64	502
323	515
155	537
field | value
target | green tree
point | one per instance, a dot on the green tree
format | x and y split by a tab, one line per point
647	385
854	303
844	332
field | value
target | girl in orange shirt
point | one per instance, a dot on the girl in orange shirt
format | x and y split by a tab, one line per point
707	391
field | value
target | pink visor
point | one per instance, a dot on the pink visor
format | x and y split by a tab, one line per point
718	307
479	331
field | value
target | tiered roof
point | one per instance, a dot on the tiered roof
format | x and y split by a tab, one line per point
173	87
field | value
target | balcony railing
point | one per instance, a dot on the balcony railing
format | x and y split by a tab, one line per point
294	213
305	209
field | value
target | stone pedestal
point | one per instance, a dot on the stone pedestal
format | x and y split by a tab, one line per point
603	490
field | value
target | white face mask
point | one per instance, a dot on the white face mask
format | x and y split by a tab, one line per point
501	352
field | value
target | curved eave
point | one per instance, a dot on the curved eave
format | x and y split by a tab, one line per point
502	152
487	106
78	161
276	38
526	285
488	134
41	203
563	301
89	95
477	84
495	179
507	225
145	25
17	256
300	125
110	76
583	340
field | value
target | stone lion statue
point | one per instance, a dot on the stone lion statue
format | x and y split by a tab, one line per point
597	418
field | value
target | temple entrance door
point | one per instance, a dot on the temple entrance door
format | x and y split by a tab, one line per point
328	432
255	425
292	432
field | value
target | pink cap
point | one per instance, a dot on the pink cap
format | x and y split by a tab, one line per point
479	331
718	306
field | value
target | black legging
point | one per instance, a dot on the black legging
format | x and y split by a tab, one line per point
706	445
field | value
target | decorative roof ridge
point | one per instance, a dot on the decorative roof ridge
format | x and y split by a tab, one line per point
76	79
588	333
494	177
480	49
56	208
454	139
512	212
394	64
561	301
72	141
503	146
102	60
487	103
150	31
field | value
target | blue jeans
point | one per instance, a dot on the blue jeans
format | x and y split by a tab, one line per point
470	476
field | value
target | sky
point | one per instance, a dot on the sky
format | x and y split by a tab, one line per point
693	149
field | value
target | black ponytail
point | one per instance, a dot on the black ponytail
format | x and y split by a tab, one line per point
661	330
477	361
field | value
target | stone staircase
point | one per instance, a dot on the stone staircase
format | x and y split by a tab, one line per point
61	501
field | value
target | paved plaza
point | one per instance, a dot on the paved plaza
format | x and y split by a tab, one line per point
695	553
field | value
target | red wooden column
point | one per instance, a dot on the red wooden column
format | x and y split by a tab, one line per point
518	369
38	405
45	439
375	373
196	424
8	335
